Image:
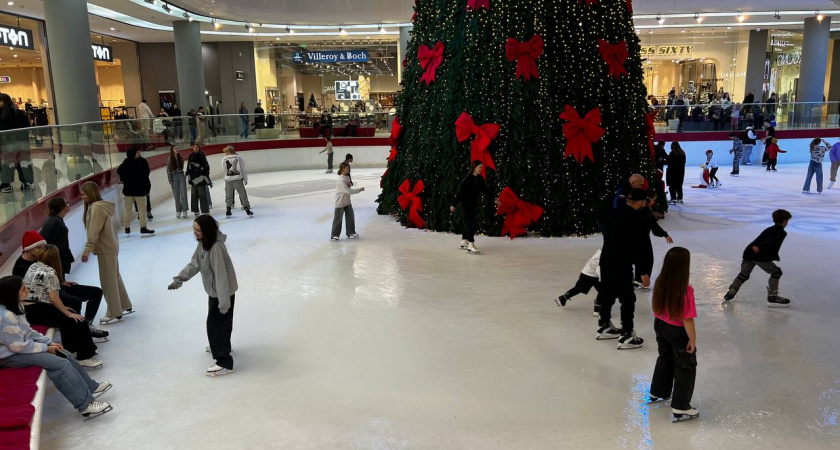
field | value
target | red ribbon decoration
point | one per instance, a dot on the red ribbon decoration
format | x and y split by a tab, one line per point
615	55
414	16
525	54
629	6
430	60
519	214
409	199
484	134
476	4
590	2
581	133
394	139
650	132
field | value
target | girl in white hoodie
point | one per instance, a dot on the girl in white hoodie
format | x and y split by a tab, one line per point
343	207
235	180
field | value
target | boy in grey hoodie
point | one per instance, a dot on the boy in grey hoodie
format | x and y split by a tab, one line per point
211	259
235	179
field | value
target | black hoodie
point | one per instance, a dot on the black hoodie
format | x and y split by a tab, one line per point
134	173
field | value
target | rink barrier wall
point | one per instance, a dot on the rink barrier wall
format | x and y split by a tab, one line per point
259	156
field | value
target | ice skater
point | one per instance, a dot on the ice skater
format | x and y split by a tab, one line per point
624	235
749	142
236	177
21	346
329	150
819	147
656	229
772	153
712	167
472	188
589	278
212	260
762	252
737	150
676	336
343	207
675	176
834	156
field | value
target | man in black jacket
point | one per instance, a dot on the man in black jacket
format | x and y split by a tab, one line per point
625	236
134	173
762	252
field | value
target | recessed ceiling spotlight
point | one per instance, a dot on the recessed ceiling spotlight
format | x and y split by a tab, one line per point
778	16
11	3
741	17
342	31
113	29
381	29
660	19
187	16
820	17
697	18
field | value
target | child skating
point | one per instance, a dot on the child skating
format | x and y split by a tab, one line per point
472	187
676	336
712	167
589	278
762	252
343	207
329	150
737	150
772	153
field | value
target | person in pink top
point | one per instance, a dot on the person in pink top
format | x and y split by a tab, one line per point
676	337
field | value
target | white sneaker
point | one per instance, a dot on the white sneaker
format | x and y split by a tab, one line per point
472	248
216	370
96	409
101	389
464	244
90	363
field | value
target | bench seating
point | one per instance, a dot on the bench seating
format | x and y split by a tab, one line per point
21	402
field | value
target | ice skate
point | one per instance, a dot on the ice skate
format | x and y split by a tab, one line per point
249	212
216	371
774	300
464	244
680	201
679	415
472	248
98	336
101	389
629	341
334	238
353	236
652	400
128	311
96	409
90	363
146	232
730	294
561	300
640	286
607	332
597	311
830	184
228	213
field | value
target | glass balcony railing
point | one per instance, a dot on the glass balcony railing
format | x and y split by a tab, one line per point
727	116
37	161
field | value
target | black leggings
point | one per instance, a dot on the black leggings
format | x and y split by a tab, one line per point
75	336
675	369
712	174
219	329
583	285
468	232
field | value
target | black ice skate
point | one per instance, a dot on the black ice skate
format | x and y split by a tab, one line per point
730	294
561	300
597	311
607	332
679	415
774	300
629	341
652	400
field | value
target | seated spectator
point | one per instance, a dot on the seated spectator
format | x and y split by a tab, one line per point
21	346
44	307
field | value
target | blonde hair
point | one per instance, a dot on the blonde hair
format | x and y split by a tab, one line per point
228	150
92	195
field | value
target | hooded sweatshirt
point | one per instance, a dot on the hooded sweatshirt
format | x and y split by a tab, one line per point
17	337
134	174
216	270
234	168
343	191
101	239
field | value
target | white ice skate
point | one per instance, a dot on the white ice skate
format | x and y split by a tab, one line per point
680	415
472	248
96	409
464	244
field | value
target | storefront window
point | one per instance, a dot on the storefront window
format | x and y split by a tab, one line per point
22	67
784	57
117	75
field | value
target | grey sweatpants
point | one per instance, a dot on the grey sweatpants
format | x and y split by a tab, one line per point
346	211
239	187
747	267
112	284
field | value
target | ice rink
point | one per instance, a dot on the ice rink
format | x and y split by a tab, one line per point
399	340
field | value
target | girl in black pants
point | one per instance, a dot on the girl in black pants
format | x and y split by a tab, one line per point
676	337
676	172
472	187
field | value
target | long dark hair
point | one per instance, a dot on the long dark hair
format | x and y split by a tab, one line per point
9	293
209	231
473	165
676	148
8	109
175	159
671	285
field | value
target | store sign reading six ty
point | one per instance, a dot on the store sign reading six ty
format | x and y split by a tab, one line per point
665	50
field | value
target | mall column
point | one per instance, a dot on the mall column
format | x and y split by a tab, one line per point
405	37
812	70
71	61
189	65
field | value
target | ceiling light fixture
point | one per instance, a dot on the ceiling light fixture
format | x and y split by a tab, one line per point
778	16
697	18
342	31
741	17
820	17
11	3
187	16
166	8
381	29
113	29
660	19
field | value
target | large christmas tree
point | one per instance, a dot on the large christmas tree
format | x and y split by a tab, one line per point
549	94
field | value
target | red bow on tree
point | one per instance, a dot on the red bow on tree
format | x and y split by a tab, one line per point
581	133
484	134
394	139
414	16
519	213
650	132
525	54
615	55
629	6
409	199
430	59
589	2
476	4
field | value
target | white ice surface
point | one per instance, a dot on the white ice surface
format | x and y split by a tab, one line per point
400	340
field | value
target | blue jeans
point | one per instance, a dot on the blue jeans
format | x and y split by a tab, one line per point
245	127
813	168
66	374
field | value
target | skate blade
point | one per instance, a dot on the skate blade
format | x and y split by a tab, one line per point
100	340
683	418
777	305
219	373
629	348
657	401
598	337
93	416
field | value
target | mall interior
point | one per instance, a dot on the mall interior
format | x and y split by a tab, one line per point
392	337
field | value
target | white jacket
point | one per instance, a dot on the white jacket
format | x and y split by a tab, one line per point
144	112
593	267
234	168
343	191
